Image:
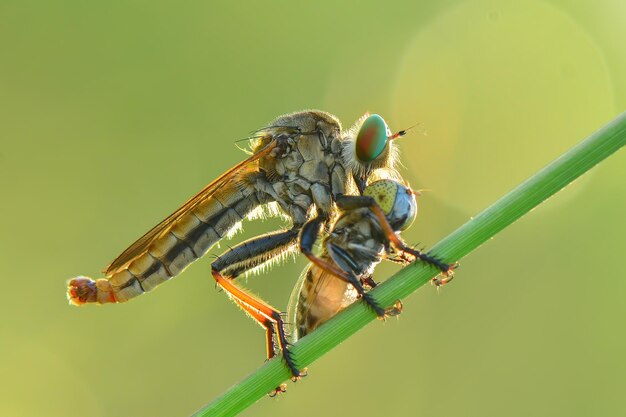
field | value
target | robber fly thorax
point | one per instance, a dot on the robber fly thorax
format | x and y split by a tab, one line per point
303	162
365	232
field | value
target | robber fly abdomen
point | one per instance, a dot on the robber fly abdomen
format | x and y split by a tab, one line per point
190	237
365	232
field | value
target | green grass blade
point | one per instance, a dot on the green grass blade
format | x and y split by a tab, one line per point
455	246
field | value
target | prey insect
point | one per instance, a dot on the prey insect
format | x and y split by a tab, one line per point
365	232
300	161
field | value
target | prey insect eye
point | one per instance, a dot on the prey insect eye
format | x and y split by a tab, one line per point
395	200
371	138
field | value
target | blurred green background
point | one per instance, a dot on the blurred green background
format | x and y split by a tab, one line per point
114	113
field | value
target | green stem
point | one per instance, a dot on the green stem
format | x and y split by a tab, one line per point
462	241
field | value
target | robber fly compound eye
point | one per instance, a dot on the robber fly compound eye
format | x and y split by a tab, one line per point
371	138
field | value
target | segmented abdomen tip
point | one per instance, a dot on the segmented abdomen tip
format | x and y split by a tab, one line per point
82	290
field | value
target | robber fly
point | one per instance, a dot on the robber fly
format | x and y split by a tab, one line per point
300	161
365	232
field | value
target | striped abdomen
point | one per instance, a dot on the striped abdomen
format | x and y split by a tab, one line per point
188	239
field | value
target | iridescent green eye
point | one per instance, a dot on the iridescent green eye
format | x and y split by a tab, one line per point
371	139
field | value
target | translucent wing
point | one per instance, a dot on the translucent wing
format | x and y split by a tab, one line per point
316	298
294	301
143	243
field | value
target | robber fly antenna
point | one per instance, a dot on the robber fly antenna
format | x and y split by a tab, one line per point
248	138
294	128
401	133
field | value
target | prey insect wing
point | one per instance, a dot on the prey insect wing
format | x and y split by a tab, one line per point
317	296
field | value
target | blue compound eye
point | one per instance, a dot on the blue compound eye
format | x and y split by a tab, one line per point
395	200
371	139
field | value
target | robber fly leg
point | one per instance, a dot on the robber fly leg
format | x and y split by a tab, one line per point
351	279
308	236
266	323
243	257
281	389
266	315
368	281
428	259
447	270
256	251
346	201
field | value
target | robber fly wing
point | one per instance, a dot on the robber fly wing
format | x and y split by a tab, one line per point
143	243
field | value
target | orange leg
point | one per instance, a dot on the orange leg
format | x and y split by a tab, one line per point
264	322
267	316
